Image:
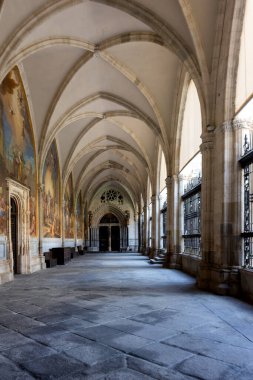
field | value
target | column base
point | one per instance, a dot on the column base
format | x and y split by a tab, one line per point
152	253
173	261
222	281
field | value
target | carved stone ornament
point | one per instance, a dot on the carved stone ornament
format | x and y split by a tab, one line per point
170	180
242	124
21	195
207	141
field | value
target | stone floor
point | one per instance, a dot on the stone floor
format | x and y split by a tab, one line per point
114	316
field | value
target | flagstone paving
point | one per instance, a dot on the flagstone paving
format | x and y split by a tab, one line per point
114	316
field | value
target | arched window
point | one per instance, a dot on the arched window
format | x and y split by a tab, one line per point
244	84
244	109
149	195
163	202
190	172
191	128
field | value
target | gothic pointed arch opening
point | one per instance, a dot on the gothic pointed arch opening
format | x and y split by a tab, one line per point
109	233
14	234
19	227
162	191
190	173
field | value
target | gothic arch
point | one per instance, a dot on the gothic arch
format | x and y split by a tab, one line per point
105	209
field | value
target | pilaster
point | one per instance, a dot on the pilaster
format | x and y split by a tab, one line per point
221	210
173	222
144	238
154	232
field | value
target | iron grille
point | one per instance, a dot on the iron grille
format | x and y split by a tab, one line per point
192	219
247	234
164	224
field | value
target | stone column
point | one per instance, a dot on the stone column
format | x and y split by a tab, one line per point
145	230
155	224
220	208
110	239
95	236
139	231
173	223
40	221
90	236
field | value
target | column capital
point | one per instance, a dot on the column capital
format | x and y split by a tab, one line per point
234	124
207	140
242	124
182	177
154	198
171	179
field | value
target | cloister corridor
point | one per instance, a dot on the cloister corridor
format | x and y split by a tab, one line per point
115	316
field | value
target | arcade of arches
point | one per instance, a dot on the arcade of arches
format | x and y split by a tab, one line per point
127	126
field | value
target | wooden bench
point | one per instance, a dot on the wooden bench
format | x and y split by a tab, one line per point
80	250
50	260
62	255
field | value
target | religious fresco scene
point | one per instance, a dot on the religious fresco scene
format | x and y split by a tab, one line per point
69	209
17	151
79	217
51	195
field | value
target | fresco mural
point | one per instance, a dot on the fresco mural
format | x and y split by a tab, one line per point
51	195
79	217
17	150
69	209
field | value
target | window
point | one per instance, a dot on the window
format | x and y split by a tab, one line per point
163	218
163	202
111	196
192	213
247	234
191	199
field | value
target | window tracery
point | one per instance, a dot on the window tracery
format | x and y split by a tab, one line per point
112	195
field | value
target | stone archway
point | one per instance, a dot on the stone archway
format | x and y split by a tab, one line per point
117	227
110	232
20	195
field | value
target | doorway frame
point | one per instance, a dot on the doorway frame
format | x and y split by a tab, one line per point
21	195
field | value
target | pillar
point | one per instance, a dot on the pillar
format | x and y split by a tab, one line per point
155	225
145	230
139	231
40	216
220	208
173	222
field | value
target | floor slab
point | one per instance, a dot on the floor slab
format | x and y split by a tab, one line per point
114	316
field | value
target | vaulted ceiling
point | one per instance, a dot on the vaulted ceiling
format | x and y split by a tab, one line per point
103	78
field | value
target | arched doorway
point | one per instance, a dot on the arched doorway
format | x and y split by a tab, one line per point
115	238
109	233
14	234
18	227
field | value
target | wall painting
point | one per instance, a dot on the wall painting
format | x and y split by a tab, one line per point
69	209
79	217
17	148
51	195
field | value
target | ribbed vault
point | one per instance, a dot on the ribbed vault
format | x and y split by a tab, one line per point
104	78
